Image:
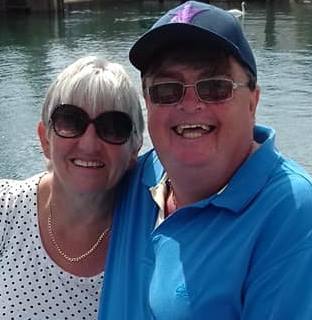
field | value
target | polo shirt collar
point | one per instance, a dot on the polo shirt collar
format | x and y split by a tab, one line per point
152	169
252	176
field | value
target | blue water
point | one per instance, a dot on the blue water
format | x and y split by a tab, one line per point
33	49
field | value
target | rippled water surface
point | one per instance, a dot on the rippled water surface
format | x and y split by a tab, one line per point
34	48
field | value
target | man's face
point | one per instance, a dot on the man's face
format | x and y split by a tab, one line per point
194	133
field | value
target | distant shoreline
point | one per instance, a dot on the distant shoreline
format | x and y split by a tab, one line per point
71	1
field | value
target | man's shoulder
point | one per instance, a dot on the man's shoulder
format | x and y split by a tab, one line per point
292	179
148	159
148	168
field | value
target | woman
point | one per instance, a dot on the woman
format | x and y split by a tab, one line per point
55	226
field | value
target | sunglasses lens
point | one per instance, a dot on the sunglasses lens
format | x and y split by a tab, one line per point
166	93
214	90
69	121
114	127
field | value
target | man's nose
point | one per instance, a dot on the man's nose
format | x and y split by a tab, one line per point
190	101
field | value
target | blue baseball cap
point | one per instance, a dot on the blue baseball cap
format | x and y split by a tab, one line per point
193	23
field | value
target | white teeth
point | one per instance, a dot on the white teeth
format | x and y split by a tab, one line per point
193	131
192	135
88	164
181	127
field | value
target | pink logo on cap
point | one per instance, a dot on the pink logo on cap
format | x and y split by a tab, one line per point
185	14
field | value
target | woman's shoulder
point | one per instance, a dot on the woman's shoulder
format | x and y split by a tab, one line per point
12	188
18	209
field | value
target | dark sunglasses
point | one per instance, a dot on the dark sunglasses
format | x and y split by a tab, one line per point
69	121
212	90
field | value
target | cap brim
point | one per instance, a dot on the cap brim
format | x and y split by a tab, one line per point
173	34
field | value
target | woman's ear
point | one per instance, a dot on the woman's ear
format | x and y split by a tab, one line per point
134	154
43	136
133	159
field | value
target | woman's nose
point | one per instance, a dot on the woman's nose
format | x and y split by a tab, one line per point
90	140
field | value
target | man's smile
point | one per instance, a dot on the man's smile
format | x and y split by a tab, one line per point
193	131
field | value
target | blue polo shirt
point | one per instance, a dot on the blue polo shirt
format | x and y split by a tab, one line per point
244	253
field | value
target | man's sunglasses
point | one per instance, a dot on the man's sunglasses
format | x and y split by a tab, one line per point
212	90
69	121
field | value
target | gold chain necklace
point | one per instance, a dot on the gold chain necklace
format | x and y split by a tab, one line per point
62	253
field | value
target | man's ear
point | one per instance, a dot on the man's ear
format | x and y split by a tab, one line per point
254	100
43	136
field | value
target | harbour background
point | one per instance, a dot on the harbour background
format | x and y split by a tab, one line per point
35	48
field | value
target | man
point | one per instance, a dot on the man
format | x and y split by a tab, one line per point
224	231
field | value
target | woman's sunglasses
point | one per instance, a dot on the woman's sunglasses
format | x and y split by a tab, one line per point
69	121
212	90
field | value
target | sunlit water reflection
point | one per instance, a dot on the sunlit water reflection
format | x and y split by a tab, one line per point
33	49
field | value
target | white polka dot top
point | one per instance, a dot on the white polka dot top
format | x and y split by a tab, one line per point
32	286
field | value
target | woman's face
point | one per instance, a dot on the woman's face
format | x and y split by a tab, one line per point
86	164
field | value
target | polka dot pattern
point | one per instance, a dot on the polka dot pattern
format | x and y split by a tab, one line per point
32	286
